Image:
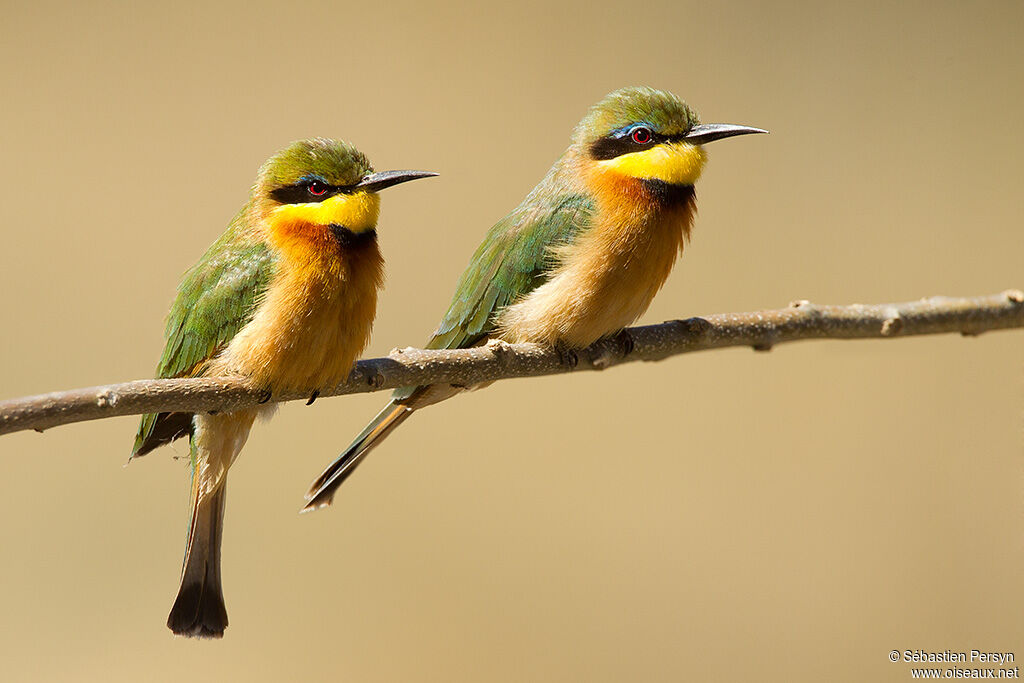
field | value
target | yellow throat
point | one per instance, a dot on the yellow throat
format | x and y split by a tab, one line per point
357	211
676	163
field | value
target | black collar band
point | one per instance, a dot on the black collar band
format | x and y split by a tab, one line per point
667	194
347	238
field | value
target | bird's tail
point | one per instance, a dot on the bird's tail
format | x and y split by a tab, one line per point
199	610
321	492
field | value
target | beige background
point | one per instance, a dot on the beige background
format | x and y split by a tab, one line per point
722	516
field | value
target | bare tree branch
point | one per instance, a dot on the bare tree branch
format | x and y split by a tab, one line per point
495	361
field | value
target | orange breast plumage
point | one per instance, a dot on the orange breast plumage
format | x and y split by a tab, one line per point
316	316
608	277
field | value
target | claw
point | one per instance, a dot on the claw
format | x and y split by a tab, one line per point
624	340
567	356
265	396
313	397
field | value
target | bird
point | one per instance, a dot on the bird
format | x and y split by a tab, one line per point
580	258
285	298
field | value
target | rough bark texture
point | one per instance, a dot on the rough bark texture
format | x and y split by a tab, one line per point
404	367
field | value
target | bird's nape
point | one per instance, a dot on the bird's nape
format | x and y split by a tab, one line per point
560	268
286	298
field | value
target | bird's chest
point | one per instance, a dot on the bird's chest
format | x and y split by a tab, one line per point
313	322
603	283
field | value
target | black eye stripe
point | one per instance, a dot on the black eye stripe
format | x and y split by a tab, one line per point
622	143
299	193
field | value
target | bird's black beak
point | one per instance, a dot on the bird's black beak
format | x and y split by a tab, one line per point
375	182
709	132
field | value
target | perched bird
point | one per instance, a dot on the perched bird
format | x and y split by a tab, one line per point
286	298
581	257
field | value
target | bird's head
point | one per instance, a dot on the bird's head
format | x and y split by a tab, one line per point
323	183
648	135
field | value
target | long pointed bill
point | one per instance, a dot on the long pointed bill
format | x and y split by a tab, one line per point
709	132
375	182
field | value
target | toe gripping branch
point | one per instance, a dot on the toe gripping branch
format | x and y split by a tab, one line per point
613	350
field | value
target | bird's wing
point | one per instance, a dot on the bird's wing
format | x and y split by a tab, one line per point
515	258
216	298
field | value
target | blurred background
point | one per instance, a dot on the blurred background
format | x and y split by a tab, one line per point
727	515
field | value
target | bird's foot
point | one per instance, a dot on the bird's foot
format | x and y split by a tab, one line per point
567	356
612	350
624	341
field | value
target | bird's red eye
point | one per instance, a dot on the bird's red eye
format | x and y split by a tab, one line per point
317	189
641	136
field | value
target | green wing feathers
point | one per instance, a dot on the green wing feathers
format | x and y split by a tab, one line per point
514	259
216	298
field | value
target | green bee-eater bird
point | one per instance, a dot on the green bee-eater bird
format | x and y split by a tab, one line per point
581	257
285	297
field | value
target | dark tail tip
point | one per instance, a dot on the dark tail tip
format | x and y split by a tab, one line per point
321	492
317	503
198	612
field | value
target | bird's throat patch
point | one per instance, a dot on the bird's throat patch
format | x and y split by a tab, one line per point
675	163
357	211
